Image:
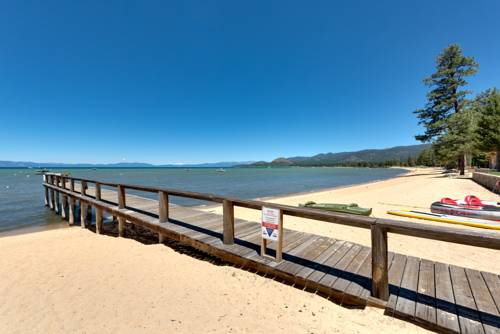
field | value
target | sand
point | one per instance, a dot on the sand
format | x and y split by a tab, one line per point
74	281
415	190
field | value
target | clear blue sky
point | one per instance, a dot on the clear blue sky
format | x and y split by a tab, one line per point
206	81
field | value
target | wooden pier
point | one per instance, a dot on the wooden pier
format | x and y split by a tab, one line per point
437	296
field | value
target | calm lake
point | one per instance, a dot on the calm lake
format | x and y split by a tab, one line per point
21	191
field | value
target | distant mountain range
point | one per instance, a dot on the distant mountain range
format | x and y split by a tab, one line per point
398	153
29	164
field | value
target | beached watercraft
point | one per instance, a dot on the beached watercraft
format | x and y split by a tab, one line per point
489	212
352	208
473	222
469	200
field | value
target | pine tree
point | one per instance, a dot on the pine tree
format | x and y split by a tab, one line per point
459	138
446	96
487	105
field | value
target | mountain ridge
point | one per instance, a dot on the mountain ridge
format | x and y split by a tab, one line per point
30	164
396	153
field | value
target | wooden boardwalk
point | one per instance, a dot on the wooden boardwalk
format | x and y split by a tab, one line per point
437	296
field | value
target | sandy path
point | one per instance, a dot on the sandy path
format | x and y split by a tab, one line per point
74	281
416	190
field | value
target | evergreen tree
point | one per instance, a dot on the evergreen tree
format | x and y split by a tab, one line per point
446	96
459	139
487	105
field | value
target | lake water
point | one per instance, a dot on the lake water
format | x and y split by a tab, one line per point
21	191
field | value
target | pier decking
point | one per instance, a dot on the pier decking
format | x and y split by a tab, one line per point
435	295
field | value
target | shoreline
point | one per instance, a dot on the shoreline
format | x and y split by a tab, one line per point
408	171
34	229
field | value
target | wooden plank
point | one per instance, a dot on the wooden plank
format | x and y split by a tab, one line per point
246	229
365	293
493	283
486	307
426	298
396	272
209	229
337	270
325	267
305	272
470	237
343	281
199	224
306	255
293	241
406	304
359	288
446	311
290	241
468	316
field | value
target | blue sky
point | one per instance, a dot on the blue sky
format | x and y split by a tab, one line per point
206	81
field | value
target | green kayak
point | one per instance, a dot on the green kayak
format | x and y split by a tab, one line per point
352	208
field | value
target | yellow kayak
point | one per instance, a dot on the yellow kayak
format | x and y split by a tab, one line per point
473	222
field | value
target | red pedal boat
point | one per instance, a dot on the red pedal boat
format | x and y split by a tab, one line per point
471	206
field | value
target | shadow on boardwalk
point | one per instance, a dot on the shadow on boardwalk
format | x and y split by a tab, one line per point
403	295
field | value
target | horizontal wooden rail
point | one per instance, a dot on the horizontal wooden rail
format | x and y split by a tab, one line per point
379	227
487	239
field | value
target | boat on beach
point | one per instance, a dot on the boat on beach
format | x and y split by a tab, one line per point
471	206
351	208
488	212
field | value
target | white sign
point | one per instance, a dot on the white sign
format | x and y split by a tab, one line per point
270	223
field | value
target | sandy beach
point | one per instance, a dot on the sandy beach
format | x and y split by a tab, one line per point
72	280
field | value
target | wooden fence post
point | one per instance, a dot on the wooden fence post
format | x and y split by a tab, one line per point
279	247
64	202
98	211
51	192
380	275
163	212
121	205
71	203
45	180
83	206
57	206
228	222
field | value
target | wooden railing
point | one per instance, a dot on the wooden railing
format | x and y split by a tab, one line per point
55	184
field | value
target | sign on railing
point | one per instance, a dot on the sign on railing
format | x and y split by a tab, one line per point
272	229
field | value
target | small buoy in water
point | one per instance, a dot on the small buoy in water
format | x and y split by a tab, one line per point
28	175
7	187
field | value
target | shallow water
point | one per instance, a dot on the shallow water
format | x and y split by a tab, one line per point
21	191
